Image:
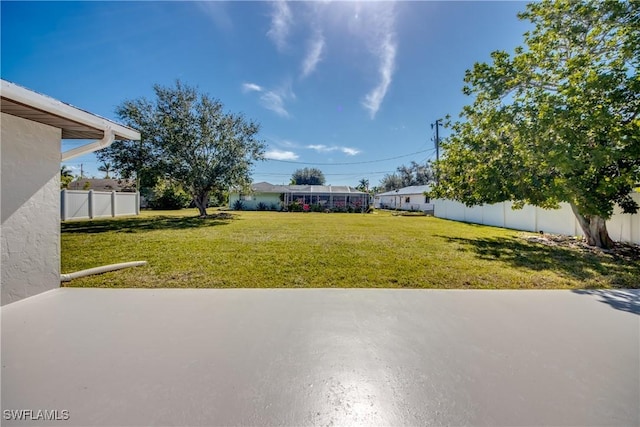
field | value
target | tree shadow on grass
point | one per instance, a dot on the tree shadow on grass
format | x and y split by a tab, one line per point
140	224
624	300
567	262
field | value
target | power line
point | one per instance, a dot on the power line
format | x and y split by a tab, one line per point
329	174
350	163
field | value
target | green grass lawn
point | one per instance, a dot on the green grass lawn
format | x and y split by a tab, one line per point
300	250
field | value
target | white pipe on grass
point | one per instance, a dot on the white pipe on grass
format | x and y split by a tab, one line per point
99	270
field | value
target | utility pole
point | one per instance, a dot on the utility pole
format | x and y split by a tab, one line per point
437	124
81	171
437	141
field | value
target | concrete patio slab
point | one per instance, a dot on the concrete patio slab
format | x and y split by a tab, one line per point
321	357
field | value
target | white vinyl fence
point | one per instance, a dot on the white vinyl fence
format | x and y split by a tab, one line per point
621	227
75	204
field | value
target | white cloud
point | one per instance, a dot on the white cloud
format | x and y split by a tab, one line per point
276	154
314	53
349	151
251	87
321	148
379	33
273	100
373	23
387	56
281	19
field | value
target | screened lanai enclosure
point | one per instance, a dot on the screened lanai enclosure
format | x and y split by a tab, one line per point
313	197
326	196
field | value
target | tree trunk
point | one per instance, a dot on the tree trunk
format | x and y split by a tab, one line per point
201	201
594	228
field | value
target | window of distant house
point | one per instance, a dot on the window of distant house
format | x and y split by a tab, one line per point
426	199
407	199
247	197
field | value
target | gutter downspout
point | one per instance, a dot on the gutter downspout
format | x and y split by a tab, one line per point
107	140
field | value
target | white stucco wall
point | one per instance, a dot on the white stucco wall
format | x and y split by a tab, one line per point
30	233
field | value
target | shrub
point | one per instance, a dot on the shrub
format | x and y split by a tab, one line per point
262	207
238	205
316	208
168	197
65	181
274	207
295	207
218	198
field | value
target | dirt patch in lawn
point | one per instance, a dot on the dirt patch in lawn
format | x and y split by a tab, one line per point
625	251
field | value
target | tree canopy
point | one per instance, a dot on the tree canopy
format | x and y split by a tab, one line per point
308	176
406	176
556	121
188	139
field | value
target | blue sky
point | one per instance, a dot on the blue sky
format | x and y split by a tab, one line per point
336	85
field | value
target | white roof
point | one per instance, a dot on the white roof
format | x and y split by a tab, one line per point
414	189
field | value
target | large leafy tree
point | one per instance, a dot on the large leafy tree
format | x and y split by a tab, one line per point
307	176
391	182
557	121
406	176
188	139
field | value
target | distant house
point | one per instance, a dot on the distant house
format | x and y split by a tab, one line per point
32	128
406	199
277	197
112	184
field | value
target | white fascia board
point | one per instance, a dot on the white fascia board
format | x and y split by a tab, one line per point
108	139
58	108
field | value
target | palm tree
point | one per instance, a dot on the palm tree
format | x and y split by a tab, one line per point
106	168
66	172
65	176
363	185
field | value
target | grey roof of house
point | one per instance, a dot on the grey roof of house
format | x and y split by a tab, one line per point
265	187
414	189
111	184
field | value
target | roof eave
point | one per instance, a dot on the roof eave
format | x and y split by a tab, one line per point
20	96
